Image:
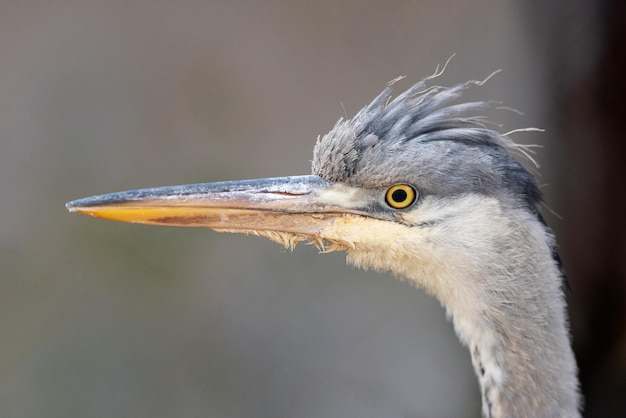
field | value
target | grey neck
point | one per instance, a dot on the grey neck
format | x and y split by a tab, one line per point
525	368
491	267
517	329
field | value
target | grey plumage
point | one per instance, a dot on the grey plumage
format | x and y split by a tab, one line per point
435	147
471	234
450	157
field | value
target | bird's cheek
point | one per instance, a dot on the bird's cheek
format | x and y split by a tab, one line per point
362	233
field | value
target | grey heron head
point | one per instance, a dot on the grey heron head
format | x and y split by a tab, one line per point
378	170
424	139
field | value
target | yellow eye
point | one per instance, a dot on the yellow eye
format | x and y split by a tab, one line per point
400	196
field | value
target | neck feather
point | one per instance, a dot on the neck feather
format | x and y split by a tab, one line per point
525	365
492	269
509	309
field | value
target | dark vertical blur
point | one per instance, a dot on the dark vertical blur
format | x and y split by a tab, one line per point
584	44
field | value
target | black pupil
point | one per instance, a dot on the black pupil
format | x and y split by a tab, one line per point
399	195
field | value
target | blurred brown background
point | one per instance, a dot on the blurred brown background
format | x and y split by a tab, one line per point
104	319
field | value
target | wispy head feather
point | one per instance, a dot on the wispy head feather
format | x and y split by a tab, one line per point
427	137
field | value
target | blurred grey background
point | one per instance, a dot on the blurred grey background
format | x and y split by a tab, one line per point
100	319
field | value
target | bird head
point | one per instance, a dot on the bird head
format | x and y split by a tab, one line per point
382	182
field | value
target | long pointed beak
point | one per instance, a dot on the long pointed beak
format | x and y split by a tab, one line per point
297	205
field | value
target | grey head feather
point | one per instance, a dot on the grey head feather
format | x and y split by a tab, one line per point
426	138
